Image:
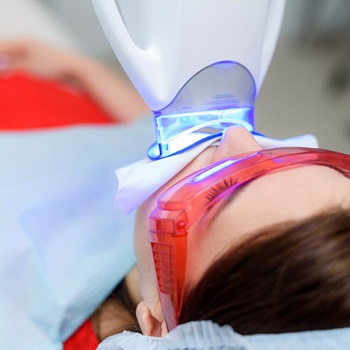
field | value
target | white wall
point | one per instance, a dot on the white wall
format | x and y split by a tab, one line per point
315	15
31	19
80	17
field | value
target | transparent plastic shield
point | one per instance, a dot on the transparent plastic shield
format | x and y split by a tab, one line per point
218	96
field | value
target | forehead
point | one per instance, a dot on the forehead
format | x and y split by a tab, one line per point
287	196
290	195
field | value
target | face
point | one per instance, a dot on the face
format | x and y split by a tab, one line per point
271	199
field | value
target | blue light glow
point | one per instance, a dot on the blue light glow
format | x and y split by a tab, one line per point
215	98
213	170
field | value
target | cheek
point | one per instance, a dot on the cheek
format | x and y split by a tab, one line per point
141	242
141	225
143	251
204	246
210	238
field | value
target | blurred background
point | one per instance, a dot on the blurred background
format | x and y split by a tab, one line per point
306	90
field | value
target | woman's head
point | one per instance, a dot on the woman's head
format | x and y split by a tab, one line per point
287	278
290	195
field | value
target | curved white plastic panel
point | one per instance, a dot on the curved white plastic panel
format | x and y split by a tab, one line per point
163	43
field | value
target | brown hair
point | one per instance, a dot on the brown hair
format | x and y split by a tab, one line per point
294	280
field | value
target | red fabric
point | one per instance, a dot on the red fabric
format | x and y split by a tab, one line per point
83	339
30	103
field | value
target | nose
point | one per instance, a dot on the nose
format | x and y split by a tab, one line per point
235	141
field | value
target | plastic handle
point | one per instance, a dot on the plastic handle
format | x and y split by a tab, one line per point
113	24
138	63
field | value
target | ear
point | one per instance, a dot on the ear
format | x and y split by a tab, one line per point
149	324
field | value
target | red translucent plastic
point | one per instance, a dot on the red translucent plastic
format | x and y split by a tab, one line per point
182	204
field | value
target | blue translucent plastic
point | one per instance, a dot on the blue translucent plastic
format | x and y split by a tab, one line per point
215	98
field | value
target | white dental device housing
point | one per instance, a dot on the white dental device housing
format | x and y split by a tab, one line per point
163	44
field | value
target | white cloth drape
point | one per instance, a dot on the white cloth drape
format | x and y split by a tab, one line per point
63	246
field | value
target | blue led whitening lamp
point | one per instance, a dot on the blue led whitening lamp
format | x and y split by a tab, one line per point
218	96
